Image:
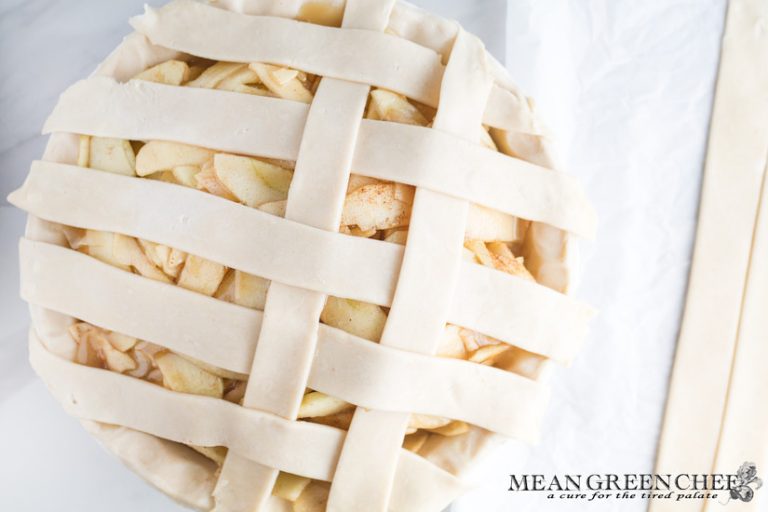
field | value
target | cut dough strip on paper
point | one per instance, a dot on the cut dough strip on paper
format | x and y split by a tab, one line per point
719	319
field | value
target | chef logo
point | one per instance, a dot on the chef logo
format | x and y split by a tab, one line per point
746	483
720	487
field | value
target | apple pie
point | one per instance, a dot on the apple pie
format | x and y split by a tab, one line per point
300	255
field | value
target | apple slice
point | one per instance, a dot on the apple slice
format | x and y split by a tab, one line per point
530	147
173	259
481	252
356	181
121	342
289	486
195	70
329	14
85	353
149	349
285	164
340	420
214	370
451	344
244	80
216	453
283	75
155	376
505	260
169	259
250	291
171	72
474	340
454	428
164	176
185	175
314	498
252	181
226	290
389	106
112	155
276	208
236	392
414	442
214	75
281	82
150	251
101	245
185	377
356	231
397	236
201	275
114	359
128	252
84	151
208	180
359	318
498	255
378	206
487	354
144	364
486	139
316	404
74	236
160	155
426	421
489	225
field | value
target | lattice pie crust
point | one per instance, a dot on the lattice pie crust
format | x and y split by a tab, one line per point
300	255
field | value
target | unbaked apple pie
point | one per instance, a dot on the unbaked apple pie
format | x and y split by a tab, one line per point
300	255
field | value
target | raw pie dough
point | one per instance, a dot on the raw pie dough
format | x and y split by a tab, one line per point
716	417
300	255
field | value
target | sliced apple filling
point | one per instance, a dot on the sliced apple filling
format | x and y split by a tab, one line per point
373	208
255	78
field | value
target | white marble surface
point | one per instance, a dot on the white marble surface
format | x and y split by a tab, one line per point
626	85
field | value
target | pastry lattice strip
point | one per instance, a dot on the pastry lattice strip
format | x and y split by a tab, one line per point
288	336
426	282
261	244
246	124
575	207
297	446
344	364
379	59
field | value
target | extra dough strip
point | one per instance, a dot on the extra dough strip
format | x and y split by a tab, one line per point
299	447
744	434
492	302
718	286
270	127
427	280
362	56
351	368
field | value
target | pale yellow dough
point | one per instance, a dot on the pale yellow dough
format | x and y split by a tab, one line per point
716	415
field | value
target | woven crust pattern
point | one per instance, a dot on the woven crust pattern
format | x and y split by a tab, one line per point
285	349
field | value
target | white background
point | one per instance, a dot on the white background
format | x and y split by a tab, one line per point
627	87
